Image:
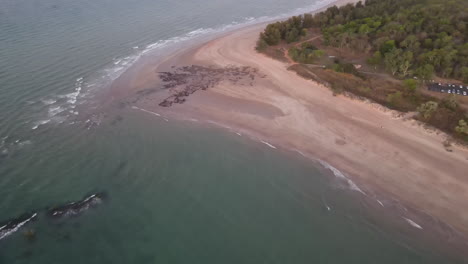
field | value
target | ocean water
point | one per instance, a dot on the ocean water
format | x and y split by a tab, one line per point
178	191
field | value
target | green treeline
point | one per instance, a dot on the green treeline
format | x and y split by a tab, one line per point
290	30
408	37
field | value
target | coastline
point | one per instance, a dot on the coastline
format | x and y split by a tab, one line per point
382	153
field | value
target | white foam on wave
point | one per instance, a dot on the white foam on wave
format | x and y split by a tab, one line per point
3	147
2	143
49	101
60	107
412	223
340	175
73	96
23	143
40	123
55	110
300	152
268	144
325	204
17	227
233	25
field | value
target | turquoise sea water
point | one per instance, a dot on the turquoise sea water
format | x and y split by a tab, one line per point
179	192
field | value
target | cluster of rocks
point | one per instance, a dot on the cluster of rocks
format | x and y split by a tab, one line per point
59	212
186	80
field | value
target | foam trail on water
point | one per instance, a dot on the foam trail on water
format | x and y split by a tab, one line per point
340	175
146	111
49	101
412	223
268	144
40	123
325	203
300	152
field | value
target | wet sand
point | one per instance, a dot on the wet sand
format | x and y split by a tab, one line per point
381	151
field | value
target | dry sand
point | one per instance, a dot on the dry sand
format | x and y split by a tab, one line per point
372	146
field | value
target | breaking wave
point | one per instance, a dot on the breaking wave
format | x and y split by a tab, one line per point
340	175
268	144
412	223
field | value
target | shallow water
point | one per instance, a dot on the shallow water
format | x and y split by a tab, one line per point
178	191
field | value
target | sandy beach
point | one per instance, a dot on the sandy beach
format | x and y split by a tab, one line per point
380	151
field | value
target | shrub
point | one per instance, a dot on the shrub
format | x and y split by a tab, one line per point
346	68
261	45
427	109
394	99
410	85
450	102
307	53
462	127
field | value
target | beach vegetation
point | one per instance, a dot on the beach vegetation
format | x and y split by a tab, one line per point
394	98
462	127
289	31
375	60
450	102
411	85
339	66
427	109
261	44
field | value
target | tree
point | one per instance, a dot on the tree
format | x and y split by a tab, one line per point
292	35
375	60
393	60
425	72
405	63
308	21
464	73
388	46
411	43
427	109
272	35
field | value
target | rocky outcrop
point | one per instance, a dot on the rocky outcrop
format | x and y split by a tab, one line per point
186	80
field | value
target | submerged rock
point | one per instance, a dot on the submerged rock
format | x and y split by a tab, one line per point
13	225
76	208
30	234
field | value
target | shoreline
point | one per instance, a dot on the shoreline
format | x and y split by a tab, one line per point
375	149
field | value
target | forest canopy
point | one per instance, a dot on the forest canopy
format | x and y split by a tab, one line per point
409	38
